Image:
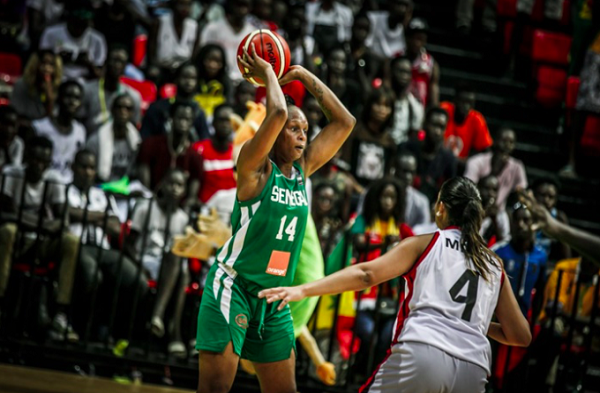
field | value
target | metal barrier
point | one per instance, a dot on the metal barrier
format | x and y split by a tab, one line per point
140	352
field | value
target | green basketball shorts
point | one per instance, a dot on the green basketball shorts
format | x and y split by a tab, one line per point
228	312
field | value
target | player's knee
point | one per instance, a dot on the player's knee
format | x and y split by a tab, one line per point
214	387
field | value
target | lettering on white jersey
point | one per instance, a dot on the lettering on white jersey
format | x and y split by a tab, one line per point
288	197
452	244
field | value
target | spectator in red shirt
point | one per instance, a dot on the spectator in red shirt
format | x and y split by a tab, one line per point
160	153
466	129
217	156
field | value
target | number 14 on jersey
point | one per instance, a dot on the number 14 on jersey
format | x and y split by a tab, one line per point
290	230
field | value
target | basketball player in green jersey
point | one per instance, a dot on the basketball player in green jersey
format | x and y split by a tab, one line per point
268	226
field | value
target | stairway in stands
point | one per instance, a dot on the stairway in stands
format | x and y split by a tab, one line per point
505	102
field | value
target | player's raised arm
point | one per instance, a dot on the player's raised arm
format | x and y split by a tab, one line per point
253	161
341	121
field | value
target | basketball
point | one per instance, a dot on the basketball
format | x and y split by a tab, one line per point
271	47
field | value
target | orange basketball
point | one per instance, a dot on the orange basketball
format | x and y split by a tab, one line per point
271	47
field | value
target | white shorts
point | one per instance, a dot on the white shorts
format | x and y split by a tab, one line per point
414	367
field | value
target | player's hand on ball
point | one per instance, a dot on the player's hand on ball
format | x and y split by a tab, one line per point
293	74
285	294
254	65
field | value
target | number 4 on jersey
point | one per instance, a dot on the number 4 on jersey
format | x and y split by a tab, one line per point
290	230
472	279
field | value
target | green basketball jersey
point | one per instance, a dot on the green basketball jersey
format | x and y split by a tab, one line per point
268	232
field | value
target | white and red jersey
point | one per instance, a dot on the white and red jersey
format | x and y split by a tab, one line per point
217	169
446	304
422	71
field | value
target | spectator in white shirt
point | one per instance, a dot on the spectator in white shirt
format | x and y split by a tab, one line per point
418	211
387	31
408	111
229	32
82	48
66	133
329	22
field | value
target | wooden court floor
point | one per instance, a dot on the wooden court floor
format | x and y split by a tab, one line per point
34	380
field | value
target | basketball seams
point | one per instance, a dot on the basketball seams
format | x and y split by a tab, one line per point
249	39
281	54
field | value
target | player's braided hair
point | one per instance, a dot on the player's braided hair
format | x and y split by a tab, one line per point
463	202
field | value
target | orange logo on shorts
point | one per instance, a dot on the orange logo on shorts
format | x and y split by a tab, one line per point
242	321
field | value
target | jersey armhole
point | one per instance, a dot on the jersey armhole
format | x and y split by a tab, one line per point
425	252
262	194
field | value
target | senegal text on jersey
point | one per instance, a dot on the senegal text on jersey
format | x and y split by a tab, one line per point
287	197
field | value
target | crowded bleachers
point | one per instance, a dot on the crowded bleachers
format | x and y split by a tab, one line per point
120	125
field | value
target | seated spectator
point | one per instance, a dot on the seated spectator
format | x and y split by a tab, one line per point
380	225
333	73
229	32
370	147
509	171
154	224
495	227
117	23
217	156
99	94
466	130
329	22
172	41
81	47
92	217
524	262
417	211
156	119
314	116
364	64
260	17
244	92
435	163
303	47
160	153
116	143
11	145
66	133
41	14
214	86
545	190
34	94
387	34
47	241
326	214
425	70
408	111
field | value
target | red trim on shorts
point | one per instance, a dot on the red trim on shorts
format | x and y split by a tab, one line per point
404	310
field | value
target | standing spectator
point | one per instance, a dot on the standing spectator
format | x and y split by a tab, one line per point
117	23
214	85
495	227
66	133
466	129
160	153
545	190
435	163
158	221
173	41
329	22
34	94
116	143
425	70
327	215
302	45
217	156
408	111
370	148
334	75
524	262
49	243
11	145
81	47
229	32
156	119
509	171
100	93
363	63
417	211
387	33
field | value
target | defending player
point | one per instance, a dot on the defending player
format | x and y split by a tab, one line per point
269	220
454	286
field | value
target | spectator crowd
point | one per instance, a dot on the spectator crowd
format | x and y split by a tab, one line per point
120	131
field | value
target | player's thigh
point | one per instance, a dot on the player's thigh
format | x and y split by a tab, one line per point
217	370
277	377
470	378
